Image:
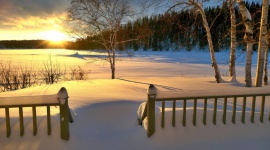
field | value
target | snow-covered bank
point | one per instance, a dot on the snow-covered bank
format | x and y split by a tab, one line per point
104	110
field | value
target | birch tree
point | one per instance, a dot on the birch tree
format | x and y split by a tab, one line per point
102	19
263	41
197	6
231	5
265	78
248	38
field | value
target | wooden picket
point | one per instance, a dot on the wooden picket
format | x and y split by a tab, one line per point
154	96
60	99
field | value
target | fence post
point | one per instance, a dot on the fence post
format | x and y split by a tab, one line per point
194	112
49	128
34	111
215	112
234	109
21	121
262	109
151	96
205	111
7	121
184	112
64	113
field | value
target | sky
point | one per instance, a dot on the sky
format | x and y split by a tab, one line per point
33	19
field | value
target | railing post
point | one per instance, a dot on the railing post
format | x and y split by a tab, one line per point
49	128
163	115
173	116
151	94
194	112
184	112
215	112
34	120
205	111
64	113
7	121
262	109
224	117
21	121
244	110
253	109
234	109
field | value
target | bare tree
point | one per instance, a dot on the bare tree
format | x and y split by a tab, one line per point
52	71
14	77
248	38
197	6
263	42
78	73
102	19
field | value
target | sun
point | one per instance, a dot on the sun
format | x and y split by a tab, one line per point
54	36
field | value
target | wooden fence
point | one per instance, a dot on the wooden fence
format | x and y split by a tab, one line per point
60	99
155	95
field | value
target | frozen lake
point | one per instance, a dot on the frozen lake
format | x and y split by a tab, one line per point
194	63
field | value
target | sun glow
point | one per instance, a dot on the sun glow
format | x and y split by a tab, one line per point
54	36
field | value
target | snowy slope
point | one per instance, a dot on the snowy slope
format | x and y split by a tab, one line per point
105	110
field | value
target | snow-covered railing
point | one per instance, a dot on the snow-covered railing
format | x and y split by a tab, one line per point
60	99
148	110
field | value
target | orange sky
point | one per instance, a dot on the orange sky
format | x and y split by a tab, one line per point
33	19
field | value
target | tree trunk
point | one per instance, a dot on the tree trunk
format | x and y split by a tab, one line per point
265	79
113	65
113	73
262	44
210	43
248	38
248	65
231	4
113	53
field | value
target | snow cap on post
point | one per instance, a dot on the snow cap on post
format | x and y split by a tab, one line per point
152	90
62	95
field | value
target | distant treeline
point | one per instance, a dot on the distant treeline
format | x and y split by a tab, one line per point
175	30
32	44
43	44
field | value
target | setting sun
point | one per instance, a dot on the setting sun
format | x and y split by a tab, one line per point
54	35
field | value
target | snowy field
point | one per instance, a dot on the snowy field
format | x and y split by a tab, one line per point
105	110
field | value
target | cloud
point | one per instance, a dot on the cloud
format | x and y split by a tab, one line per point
18	14
33	7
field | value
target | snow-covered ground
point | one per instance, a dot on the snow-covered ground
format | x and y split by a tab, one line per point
105	110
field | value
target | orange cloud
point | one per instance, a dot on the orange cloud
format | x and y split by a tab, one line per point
21	14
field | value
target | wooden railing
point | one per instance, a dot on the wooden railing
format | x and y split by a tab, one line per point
60	99
155	95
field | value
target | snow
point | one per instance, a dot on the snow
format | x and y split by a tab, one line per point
62	96
247	14
213	93
140	110
105	110
29	100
